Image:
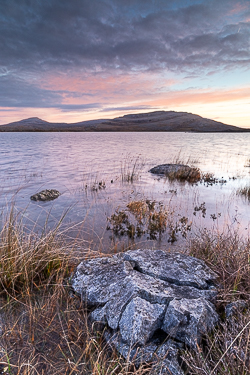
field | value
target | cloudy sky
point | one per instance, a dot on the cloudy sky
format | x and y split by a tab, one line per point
70	61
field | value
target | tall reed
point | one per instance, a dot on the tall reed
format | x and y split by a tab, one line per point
131	167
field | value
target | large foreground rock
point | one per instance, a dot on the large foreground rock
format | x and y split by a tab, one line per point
188	319
145	297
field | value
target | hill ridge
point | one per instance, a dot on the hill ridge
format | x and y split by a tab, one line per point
156	121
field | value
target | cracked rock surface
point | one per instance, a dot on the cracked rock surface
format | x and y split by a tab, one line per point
145	298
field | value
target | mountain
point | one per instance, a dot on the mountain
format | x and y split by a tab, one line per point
152	122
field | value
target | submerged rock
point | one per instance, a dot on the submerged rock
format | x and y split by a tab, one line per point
144	295
45	195
177	172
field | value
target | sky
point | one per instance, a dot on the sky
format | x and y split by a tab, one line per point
70	61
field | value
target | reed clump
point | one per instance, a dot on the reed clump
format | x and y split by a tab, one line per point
27	261
244	191
189	174
146	217
131	168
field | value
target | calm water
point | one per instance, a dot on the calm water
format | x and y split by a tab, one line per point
75	163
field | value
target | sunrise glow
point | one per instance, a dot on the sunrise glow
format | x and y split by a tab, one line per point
74	61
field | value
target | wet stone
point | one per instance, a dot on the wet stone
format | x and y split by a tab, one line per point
177	171
165	169
45	195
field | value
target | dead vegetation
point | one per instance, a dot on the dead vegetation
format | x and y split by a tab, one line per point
45	328
191	175
244	192
148	218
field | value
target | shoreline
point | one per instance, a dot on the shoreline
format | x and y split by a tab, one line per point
55	336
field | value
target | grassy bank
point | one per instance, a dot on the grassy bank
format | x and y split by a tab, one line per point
45	328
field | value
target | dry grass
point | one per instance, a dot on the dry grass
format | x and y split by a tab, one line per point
229	256
131	168
244	191
191	175
48	333
227	351
45	326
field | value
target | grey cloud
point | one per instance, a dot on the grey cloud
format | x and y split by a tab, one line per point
16	92
41	36
65	35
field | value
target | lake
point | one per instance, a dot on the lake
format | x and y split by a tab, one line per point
90	170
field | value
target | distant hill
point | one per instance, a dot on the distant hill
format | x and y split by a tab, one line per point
159	121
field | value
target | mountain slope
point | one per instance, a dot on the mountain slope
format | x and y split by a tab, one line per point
152	121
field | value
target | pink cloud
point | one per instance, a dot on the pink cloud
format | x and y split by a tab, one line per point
238	8
107	89
200	96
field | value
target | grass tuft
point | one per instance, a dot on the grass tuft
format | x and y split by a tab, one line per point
191	175
229	256
27	261
44	327
226	351
244	191
131	168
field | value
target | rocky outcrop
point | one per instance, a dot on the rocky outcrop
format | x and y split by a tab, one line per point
147	299
177	172
45	195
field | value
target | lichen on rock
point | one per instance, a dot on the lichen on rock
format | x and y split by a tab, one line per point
139	293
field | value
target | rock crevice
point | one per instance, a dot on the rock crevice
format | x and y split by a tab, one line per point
141	292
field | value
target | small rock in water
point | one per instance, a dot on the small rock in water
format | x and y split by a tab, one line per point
45	195
180	172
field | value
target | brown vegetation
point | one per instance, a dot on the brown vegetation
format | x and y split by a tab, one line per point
45	326
227	351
